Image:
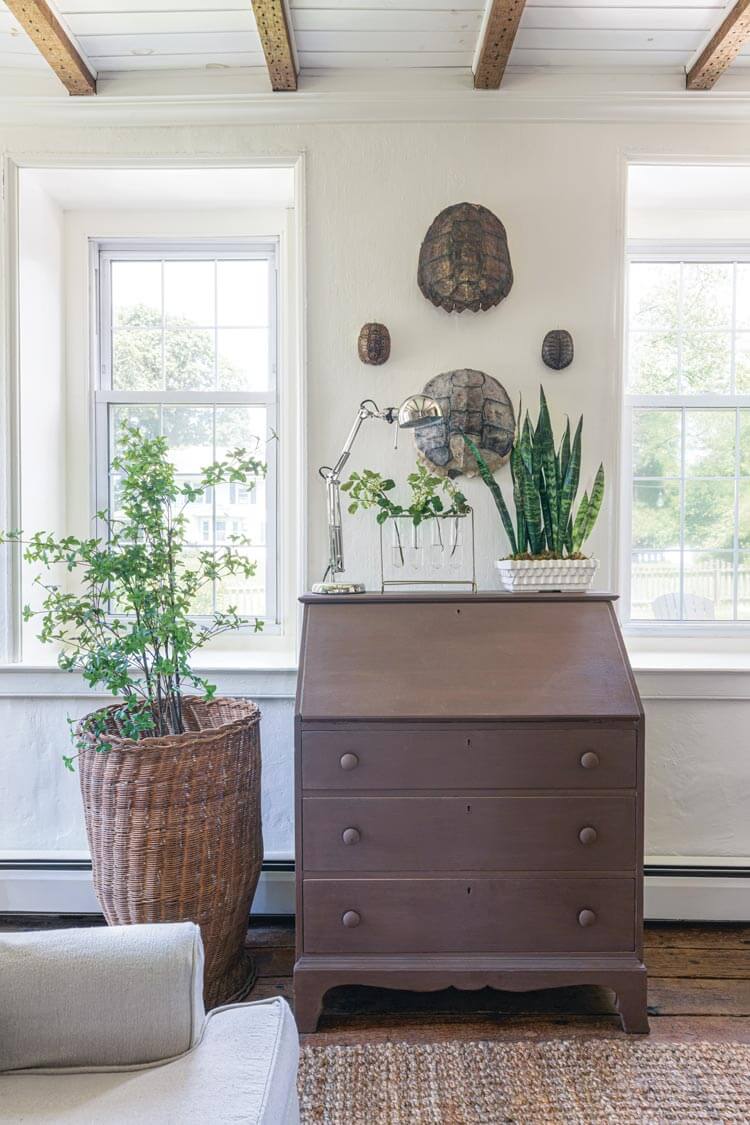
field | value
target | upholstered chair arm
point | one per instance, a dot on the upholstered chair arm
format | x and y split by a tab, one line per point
101	996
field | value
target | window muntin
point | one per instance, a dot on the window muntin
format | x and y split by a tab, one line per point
187	349
688	423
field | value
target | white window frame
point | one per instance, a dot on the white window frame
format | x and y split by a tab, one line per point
103	252
647	250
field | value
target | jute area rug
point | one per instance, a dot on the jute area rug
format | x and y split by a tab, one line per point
559	1082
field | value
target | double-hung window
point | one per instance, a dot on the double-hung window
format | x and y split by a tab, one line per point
687	439
186	348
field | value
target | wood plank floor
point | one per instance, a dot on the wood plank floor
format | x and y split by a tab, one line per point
699	988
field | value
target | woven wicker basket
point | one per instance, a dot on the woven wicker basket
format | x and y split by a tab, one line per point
174	829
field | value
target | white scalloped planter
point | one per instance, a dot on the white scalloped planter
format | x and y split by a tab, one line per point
534	576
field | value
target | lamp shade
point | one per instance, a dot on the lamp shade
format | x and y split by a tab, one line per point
418	410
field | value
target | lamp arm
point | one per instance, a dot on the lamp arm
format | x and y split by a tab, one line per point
331	474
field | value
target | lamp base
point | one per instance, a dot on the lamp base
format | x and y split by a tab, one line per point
338	588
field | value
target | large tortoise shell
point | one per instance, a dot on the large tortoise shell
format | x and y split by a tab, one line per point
464	261
474	404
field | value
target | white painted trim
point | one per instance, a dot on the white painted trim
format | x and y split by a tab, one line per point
18	681
264	681
292	387
550	94
10	485
679	898
35	891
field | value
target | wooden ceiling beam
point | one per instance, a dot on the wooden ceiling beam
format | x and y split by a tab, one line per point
276	40
496	41
722	48
52	40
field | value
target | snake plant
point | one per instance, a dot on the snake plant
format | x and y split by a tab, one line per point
545	485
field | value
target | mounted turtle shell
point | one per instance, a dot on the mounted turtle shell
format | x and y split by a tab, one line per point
474	404
557	349
374	343
464	261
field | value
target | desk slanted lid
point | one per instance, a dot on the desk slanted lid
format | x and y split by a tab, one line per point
463	656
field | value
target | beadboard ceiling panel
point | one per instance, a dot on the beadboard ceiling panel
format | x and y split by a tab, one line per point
348	33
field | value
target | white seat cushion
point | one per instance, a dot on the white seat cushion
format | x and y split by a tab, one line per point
244	1069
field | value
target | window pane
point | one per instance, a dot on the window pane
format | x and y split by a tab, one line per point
742	363
246	595
243	294
136	294
656	514
744	513
743	586
189	294
243	508
199	326
653	295
707	294
655	586
709	514
710	443
115	496
652	363
745	443
146	418
243	359
199	515
656	443
706	362
241	427
742	299
189	433
136	359
203	603
708	587
189	359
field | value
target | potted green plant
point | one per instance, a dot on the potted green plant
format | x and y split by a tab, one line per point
170	774
432	499
549	532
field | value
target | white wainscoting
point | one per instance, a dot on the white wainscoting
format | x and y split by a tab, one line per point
697	792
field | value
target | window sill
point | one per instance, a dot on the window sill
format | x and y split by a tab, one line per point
710	654
261	676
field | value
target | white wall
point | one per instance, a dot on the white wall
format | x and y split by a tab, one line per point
372	190
41	802
41	303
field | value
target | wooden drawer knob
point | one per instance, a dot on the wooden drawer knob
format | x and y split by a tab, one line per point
350	919
585	918
589	760
587	835
351	836
349	761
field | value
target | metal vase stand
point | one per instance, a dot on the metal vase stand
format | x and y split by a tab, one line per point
408	551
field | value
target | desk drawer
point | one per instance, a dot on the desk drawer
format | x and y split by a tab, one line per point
489	914
459	834
585	757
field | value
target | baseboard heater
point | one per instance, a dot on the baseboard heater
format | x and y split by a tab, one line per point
691	892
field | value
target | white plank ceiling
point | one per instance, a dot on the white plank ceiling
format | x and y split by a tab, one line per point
124	35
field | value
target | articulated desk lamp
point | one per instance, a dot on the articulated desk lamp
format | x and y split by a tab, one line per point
417	410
